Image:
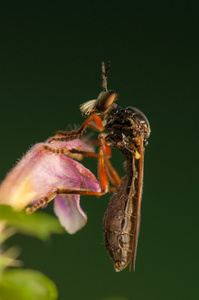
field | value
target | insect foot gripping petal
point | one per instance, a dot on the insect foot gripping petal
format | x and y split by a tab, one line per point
40	175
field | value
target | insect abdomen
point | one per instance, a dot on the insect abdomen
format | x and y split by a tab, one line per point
119	227
118	247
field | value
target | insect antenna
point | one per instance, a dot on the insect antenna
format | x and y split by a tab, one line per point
105	72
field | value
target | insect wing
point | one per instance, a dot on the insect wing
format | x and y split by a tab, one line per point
135	198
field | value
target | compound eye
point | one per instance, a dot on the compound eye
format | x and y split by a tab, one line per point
105	100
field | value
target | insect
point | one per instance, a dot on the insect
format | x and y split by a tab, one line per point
127	130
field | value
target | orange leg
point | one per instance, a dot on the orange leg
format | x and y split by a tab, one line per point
73	153
59	191
105	166
78	133
105	170
51	196
102	171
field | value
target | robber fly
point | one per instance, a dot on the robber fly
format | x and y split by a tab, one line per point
127	130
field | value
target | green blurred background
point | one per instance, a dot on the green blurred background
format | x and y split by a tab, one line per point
50	63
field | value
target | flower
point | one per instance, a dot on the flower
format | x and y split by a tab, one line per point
41	171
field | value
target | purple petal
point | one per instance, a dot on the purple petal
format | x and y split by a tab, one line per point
69	212
40	172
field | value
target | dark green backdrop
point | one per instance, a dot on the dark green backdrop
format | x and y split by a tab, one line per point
50	57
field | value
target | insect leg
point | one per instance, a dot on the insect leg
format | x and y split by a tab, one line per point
102	172
110	170
72	153
78	133
51	196
60	191
104	151
42	202
78	154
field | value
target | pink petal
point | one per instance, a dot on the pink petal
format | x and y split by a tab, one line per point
69	212
41	172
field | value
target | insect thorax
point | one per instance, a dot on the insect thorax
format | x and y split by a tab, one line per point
123	127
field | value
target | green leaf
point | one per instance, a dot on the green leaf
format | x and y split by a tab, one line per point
39	224
23	284
8	259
